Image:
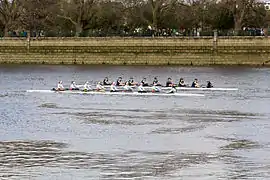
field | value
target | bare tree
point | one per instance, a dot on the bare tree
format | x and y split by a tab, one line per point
239	9
150	12
9	13
79	13
36	15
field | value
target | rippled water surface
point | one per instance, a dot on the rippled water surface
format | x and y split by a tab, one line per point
223	135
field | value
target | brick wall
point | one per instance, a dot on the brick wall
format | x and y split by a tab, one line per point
148	51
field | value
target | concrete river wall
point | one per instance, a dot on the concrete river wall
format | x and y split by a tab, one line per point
138	51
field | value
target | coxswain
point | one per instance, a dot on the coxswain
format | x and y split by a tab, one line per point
106	82
73	86
113	87
181	83
144	83
169	83
141	88
87	87
119	82
99	87
127	87
195	84
156	82
60	86
209	84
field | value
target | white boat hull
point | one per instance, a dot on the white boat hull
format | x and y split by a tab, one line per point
115	93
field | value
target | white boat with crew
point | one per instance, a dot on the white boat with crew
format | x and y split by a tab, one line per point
181	85
131	88
119	93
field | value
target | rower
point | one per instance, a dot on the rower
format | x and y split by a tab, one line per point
106	81
113	87
131	82
87	87
119	82
60	86
156	82
99	87
127	87
181	83
195	84
144	83
209	84
155	89
141	89
73	86
169	82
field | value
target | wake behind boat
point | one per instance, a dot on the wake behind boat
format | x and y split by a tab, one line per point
120	93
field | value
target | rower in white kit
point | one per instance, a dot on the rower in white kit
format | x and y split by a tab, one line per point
99	87
87	87
73	86
113	87
60	86
127	87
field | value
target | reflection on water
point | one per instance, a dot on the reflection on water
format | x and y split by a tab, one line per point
128	164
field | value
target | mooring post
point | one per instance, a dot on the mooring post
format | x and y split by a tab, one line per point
215	40
28	41
214	51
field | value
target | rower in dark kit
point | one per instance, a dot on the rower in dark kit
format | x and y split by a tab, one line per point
195	84
106	82
141	89
156	82
119	82
172	90
155	89
182	83
144	82
169	83
131	82
209	84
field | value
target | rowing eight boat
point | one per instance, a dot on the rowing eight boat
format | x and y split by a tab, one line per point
185	88
115	93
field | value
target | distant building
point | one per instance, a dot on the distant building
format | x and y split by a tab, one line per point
267	6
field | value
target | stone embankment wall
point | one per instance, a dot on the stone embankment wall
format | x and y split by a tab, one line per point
138	51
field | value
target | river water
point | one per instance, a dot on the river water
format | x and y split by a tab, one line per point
223	135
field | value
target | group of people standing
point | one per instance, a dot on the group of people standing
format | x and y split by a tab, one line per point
127	85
